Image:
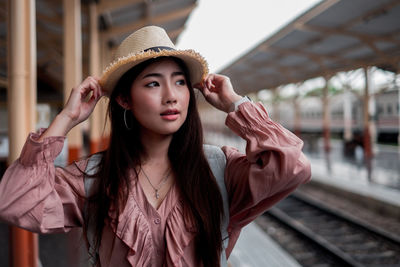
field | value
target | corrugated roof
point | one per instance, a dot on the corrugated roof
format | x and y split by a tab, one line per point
333	36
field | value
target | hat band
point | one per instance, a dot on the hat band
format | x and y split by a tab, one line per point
158	48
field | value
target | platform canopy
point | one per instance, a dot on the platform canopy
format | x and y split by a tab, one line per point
333	36
117	19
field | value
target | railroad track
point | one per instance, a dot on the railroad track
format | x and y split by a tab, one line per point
344	239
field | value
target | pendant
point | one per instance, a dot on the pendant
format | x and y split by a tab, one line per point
157	195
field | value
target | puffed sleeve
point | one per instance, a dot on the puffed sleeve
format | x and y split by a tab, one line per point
272	167
36	195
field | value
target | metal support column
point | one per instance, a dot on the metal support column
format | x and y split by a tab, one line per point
326	116
366	133
94	69
72	78
367	140
326	127
347	116
21	108
72	67
105	54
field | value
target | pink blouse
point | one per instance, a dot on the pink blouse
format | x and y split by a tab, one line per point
39	197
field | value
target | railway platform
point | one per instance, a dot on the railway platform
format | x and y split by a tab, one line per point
348	183
255	248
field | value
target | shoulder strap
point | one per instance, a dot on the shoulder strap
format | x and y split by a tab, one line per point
90	170
217	161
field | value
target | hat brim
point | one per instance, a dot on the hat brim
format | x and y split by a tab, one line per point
196	64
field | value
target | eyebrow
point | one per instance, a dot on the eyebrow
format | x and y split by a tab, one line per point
176	73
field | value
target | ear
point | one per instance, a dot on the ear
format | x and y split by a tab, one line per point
122	101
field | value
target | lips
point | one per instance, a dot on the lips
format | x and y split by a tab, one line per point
170	114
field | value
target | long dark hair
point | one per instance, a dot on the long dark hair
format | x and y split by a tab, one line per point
203	205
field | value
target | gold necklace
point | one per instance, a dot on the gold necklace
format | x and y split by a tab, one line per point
159	185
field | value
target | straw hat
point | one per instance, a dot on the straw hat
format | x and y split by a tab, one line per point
146	43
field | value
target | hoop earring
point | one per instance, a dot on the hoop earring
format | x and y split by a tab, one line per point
126	124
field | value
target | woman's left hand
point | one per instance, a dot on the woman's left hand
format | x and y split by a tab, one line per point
218	91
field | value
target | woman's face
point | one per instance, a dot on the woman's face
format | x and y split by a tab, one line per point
160	98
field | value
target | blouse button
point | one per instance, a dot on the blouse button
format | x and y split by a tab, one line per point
157	221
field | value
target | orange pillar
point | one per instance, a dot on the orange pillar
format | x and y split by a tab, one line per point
72	78
21	108
367	134
105	53
347	116
94	66
326	117
72	67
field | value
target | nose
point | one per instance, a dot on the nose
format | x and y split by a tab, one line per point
170	95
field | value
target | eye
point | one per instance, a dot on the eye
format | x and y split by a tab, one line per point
152	84
181	82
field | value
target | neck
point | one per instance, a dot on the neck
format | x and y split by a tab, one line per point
155	147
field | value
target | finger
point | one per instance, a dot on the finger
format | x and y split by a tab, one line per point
96	93
99	88
214	81
94	87
204	82
84	88
209	82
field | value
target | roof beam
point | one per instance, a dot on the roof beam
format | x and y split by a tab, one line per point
119	30
110	5
367	39
49	19
345	65
373	13
316	58
177	14
339	31
319	8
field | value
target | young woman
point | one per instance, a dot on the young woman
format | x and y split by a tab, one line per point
154	197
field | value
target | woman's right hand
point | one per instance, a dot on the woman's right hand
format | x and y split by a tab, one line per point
77	109
79	106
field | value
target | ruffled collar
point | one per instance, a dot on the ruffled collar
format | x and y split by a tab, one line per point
134	227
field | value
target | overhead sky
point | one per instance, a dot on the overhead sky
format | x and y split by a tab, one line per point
223	30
